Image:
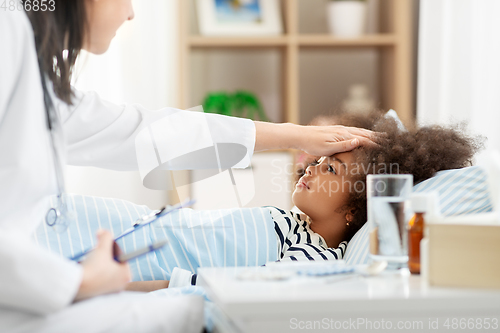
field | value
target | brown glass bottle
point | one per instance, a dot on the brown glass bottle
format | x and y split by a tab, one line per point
415	235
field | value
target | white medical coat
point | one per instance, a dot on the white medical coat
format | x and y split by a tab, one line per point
97	133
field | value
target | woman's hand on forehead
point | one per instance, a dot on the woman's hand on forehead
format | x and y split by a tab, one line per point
329	140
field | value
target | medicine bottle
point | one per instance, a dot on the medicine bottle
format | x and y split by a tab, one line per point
416	231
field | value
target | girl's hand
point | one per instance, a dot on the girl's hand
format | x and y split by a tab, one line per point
101	273
147	286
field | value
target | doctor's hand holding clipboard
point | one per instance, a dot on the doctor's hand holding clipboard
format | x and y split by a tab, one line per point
102	273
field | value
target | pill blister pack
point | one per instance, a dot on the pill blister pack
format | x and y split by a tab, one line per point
294	270
325	270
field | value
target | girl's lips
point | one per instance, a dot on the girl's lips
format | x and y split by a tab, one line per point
302	184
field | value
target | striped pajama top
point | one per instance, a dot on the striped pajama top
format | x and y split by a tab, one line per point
296	240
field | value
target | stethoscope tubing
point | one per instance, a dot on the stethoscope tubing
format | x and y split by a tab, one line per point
53	125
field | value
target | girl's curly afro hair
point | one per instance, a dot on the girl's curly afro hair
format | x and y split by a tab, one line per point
418	151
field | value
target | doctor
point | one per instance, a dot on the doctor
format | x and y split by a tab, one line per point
40	291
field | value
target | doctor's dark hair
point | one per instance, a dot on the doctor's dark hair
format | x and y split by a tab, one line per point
420	151
59	38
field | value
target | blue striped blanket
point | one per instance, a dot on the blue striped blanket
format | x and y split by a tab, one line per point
210	238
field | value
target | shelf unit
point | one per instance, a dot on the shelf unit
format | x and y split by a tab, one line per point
394	43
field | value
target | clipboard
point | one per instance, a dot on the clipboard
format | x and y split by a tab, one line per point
140	223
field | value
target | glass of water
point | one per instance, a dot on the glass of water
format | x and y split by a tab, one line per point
387	197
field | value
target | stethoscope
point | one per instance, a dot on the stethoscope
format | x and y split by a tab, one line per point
57	217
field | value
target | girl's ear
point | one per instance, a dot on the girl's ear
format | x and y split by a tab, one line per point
349	216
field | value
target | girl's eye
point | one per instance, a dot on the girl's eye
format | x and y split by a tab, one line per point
315	162
332	169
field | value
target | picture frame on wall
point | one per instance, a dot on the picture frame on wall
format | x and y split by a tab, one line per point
239	17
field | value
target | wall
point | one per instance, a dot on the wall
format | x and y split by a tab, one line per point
325	74
140	67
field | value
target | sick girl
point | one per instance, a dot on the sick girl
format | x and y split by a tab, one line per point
331	194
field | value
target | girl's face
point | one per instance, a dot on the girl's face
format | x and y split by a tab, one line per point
322	192
104	18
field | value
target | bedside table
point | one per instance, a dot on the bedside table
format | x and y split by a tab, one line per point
390	301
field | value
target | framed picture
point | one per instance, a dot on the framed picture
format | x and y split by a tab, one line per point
239	17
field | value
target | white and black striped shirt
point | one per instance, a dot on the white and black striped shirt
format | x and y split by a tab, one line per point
296	240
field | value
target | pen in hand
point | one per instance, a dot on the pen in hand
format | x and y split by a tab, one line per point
122	257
